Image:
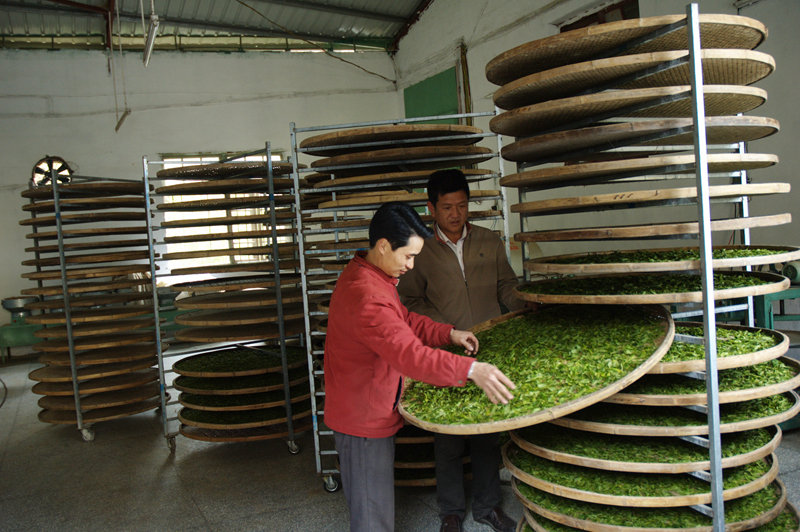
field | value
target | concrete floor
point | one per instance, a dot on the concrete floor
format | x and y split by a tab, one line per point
127	480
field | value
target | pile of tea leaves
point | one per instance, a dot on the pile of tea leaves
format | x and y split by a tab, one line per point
671	255
730	342
766	373
736	510
553	356
625	484
670	416
238	383
643	284
240	400
655	450
240	417
239	359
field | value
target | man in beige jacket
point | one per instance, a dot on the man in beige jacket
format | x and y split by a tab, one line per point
461	277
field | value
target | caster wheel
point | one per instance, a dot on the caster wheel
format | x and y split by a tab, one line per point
171	443
87	434
293	447
331	485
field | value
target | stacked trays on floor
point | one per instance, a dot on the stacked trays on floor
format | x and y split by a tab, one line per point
414	460
237	394
360	169
235	297
106	257
622	463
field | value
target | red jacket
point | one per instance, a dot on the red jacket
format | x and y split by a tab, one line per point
372	342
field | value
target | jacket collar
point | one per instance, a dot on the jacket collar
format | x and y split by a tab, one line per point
361	260
439	239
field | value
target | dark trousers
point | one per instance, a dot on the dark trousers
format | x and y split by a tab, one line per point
367	469
485	456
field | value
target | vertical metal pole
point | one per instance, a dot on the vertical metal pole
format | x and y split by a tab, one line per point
307	311
154	288
751	318
706	269
67	309
278	296
503	193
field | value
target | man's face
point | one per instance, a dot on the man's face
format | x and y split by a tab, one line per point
396	263
450	212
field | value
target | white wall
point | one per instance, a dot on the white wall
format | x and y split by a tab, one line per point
490	27
62	103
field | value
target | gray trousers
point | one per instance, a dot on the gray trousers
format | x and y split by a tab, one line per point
367	469
485	455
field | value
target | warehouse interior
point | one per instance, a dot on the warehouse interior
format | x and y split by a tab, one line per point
102	110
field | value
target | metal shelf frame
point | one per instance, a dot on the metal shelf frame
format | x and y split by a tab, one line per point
310	275
264	347
85	428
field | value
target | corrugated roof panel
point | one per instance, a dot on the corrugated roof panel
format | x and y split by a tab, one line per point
322	20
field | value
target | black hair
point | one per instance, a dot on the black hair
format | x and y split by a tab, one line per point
445	182
396	222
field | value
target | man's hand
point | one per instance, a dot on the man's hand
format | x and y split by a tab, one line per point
465	339
493	382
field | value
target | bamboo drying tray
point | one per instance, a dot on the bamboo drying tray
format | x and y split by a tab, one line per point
737	361
85	217
645	467
226	170
719	130
104	356
104	384
86	204
259	331
245	316
546	266
654	231
716	31
92	189
97	342
102	400
777	283
424	133
94	272
97	328
637	501
735	396
240	435
687	430
558	410
643	198
64	373
82	288
472	175
720	67
530	510
63	417
540	117
603	171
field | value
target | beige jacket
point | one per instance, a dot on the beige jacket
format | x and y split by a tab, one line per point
436	288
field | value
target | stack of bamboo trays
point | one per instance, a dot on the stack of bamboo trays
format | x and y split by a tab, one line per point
360	169
106	257
560	93
240	297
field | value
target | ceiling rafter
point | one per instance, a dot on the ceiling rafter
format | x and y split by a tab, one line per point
313	6
184	23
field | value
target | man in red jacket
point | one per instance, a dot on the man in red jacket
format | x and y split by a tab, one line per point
372	343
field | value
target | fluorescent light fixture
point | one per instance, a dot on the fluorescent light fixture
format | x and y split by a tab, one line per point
152	31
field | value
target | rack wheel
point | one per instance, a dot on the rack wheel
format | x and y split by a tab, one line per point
171	444
331	485
293	447
87	434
